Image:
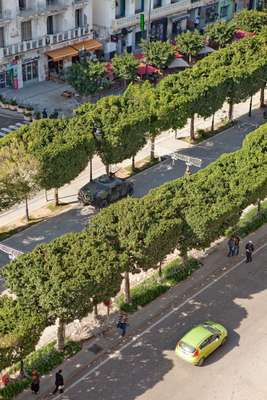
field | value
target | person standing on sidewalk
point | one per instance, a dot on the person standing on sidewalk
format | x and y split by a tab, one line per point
35	385
237	243
123	323
59	382
231	247
249	250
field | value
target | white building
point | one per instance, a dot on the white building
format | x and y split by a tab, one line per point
119	20
42	37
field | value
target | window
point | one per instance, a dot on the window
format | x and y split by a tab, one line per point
1	8
78	18
2	39
206	342
139	6
49	24
30	71
224	11
186	348
120	8
26	30
22	4
157	3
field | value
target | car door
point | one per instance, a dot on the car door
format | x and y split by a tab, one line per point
213	343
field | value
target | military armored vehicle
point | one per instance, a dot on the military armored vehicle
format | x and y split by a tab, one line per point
104	190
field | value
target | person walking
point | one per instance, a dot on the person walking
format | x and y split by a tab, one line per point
249	250
231	247
123	323
59	382
35	385
237	243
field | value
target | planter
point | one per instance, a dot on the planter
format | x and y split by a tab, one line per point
20	109
27	117
12	107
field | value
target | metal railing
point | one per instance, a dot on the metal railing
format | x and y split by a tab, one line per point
46	41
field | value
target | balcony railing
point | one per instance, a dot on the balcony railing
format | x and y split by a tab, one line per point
5	15
156	13
46	41
39	9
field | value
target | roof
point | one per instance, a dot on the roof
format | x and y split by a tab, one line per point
205	50
89	45
102	183
178	63
146	69
196	335
62	53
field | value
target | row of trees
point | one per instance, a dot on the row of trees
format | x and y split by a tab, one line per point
50	153
66	278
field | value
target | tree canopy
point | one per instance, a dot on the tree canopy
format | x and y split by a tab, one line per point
158	53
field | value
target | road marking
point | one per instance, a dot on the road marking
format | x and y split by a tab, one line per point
158	322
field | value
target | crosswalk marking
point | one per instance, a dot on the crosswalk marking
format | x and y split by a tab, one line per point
10	128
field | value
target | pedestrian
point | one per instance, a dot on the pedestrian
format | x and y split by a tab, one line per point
44	113
237	242
249	250
123	323
59	382
196	21
35	385
231	247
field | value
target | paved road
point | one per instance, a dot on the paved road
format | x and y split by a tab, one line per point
76	218
146	368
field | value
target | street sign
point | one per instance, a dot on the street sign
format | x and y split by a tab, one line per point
142	22
12	253
188	160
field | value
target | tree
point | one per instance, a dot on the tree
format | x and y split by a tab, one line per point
189	43
158	53
61	151
125	67
87	77
20	330
220	33
250	20
19	170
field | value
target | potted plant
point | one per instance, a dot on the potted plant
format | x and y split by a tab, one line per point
4	103
20	108
28	115
13	105
37	115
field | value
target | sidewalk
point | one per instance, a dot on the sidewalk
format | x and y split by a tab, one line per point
165	144
215	263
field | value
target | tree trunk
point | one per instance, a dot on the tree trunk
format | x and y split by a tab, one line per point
192	128
60	335
127	295
95	310
231	111
107	169
46	198
133	163
27	215
152	149
250	106
21	368
262	105
189	58
56	197
91	169
212	122
258	207
184	255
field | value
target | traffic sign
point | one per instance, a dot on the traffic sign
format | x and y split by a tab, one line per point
189	160
142	22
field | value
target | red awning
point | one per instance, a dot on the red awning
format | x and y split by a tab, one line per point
139	56
239	34
147	69
178	55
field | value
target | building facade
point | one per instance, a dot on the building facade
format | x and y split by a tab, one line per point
42	37
119	20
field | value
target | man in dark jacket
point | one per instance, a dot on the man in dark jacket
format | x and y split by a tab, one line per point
249	250
59	382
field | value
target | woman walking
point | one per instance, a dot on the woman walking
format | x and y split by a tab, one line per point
35	385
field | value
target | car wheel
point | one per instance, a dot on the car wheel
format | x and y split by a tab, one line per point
201	362
224	340
130	190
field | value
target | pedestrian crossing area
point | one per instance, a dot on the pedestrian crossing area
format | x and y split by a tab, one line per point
11	128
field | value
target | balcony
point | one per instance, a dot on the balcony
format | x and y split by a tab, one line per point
51	7
5	16
156	13
48	41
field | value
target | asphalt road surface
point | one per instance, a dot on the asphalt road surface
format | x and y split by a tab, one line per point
146	367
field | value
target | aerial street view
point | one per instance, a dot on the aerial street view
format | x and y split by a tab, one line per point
133	199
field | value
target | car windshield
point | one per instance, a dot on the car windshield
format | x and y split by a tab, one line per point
211	329
186	347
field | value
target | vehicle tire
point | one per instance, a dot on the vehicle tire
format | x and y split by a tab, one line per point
224	340
201	362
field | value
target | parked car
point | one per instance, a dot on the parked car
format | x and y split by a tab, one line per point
200	342
104	190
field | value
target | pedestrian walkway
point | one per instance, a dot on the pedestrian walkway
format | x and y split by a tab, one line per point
100	349
10	121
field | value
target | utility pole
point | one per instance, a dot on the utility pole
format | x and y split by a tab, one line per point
148	21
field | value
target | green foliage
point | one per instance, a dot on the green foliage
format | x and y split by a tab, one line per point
87	77
155	285
125	67
250	20
44	361
158	53
220	33
190	43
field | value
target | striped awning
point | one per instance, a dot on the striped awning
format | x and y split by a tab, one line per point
64	52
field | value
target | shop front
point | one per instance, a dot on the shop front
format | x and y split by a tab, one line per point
178	24
30	70
225	10
158	29
9	76
210	13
